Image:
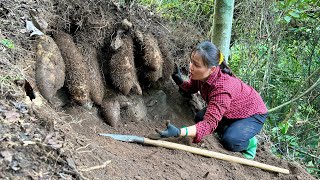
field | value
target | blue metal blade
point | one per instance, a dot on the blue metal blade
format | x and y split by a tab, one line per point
125	138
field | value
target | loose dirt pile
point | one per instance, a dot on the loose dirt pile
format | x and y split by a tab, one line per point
114	78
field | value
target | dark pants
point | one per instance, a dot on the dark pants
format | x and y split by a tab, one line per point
235	133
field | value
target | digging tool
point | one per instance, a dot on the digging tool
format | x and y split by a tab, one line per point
194	150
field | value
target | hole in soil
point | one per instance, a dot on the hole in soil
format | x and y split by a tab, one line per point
73	28
141	70
104	55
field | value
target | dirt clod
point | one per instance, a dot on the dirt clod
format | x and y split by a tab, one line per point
111	112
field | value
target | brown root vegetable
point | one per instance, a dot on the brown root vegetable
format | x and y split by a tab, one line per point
139	36
117	41
123	72
96	85
111	111
126	24
136	88
152	56
154	76
76	68
50	67
168	63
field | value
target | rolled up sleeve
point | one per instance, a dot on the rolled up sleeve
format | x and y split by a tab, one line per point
218	104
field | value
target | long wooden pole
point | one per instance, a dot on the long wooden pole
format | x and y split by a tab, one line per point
216	155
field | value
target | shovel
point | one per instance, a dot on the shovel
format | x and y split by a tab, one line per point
194	150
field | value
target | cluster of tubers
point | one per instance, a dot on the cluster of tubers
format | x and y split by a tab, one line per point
62	62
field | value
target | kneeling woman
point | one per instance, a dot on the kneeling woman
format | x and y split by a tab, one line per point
234	109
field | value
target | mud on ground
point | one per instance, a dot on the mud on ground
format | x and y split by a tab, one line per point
50	140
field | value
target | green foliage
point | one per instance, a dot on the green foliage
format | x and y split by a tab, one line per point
301	15
297	138
292	49
193	11
8	79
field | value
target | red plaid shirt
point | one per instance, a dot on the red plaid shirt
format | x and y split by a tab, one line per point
226	96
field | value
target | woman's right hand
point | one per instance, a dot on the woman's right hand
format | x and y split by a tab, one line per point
176	76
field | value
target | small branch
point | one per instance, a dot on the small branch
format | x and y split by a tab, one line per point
307	80
164	27
303	152
82	147
95	167
314	98
311	10
292	100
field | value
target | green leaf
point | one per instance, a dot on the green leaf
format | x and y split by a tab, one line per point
7	43
310	164
284	127
287	18
294	14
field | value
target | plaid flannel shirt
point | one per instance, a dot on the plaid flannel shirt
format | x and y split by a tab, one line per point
226	96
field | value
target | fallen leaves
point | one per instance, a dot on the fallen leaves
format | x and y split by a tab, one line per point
53	139
11	116
22	138
7	155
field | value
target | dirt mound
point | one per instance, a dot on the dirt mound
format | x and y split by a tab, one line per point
43	139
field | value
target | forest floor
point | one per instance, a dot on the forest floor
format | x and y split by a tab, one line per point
49	142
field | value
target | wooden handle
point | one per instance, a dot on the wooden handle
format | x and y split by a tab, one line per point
216	155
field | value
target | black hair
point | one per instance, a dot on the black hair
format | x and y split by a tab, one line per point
210	55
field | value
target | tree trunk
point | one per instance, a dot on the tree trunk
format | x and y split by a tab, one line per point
222	25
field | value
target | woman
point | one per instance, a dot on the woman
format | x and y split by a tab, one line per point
234	109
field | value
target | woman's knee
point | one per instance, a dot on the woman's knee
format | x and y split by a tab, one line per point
233	143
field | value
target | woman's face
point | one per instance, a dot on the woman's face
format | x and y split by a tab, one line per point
198	70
